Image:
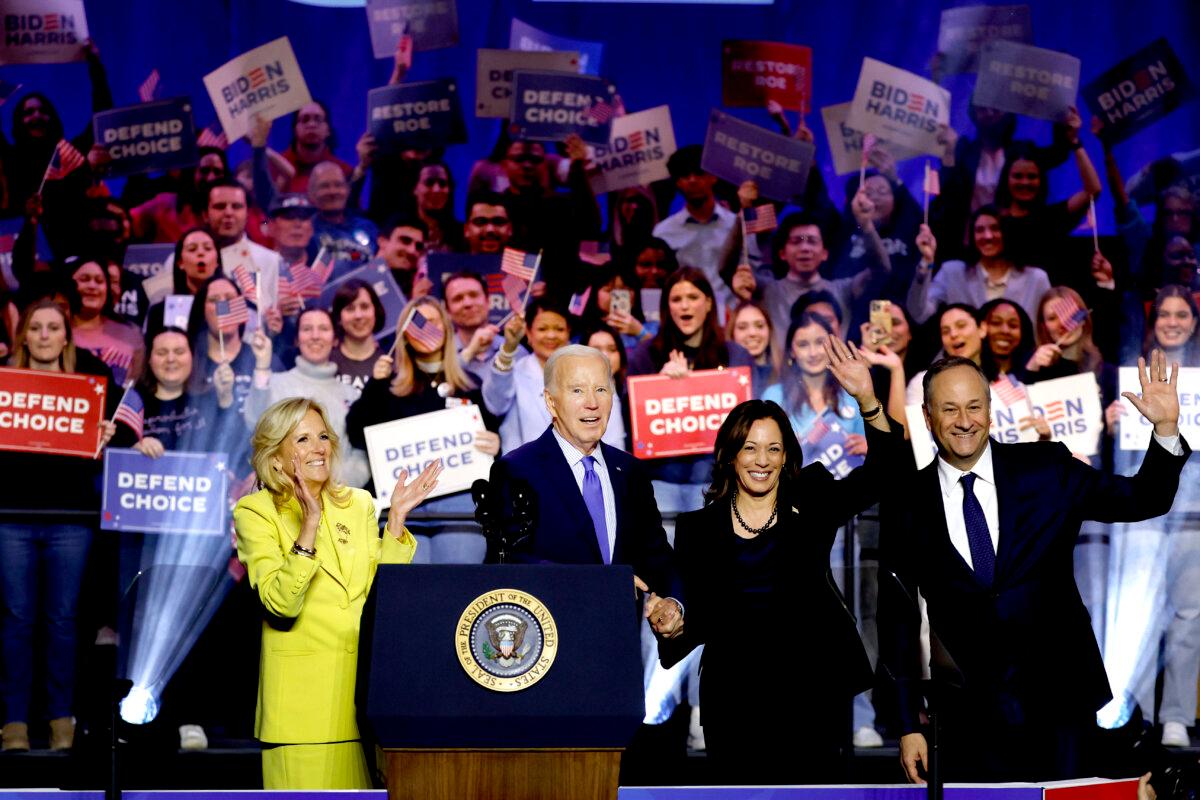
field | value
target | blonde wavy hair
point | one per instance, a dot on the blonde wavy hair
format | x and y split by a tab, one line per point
273	428
456	376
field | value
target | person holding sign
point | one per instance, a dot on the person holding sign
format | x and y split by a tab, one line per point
1038	230
1172	329
427	376
989	273
985	533
762	542
45	535
311	547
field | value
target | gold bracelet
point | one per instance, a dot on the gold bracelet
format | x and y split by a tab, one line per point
309	552
873	413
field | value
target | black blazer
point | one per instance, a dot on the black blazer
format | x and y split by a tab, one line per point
1027	642
809	639
564	533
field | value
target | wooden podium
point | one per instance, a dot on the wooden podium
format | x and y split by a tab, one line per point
513	682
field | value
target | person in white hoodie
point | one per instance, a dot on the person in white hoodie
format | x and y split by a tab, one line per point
313	377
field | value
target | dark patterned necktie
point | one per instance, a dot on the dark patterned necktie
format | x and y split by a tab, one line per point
983	556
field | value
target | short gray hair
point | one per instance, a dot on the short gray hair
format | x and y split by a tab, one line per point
577	350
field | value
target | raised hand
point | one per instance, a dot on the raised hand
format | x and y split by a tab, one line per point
882	356
850	370
676	366
310	505
382	369
927	244
406	497
1159	401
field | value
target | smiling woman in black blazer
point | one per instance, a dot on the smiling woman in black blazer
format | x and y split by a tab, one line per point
781	648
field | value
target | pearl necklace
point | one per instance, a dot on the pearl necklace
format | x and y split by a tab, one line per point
742	522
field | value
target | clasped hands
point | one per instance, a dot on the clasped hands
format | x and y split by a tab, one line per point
665	613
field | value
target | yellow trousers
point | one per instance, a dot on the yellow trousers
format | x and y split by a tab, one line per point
315	766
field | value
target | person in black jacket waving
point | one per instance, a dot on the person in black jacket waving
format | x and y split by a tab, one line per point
757	552
986	533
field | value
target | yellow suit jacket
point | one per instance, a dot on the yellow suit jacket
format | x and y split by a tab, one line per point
314	606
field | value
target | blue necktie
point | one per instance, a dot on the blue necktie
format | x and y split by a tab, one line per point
983	556
593	498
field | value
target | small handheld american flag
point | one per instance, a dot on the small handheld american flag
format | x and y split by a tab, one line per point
231	313
1009	390
132	412
601	111
245	282
817	431
421	330
1070	314
579	302
759	219
519	264
514	291
306	282
66	159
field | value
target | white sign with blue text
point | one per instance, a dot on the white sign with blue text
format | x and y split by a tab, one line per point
413	443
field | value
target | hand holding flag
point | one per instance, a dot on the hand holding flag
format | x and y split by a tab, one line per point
63	161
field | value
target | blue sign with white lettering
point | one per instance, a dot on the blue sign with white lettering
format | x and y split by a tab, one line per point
416	115
147	137
145	260
551	106
175	493
738	151
379	276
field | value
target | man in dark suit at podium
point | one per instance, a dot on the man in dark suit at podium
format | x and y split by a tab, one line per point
986	534
590	503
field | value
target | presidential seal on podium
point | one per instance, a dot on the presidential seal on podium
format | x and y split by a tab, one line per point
506	640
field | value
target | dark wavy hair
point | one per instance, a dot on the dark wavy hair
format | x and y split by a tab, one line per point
732	435
347	293
1022	151
1024	348
1191	351
179	284
711	353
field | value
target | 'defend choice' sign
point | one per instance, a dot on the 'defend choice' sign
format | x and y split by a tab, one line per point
147	137
177	492
550	106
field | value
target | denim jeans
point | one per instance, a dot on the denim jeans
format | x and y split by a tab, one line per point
40	564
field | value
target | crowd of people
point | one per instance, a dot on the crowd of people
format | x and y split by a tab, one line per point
994	276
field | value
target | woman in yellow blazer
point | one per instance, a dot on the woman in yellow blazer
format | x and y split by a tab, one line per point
311	548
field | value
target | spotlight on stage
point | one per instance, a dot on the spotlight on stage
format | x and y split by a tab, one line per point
1117	713
139	706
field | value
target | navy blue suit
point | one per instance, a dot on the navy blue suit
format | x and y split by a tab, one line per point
1031	673
564	532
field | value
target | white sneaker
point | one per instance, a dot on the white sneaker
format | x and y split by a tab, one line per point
695	731
1175	734
866	736
192	737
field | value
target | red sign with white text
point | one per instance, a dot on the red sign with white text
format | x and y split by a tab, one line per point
681	416
51	412
754	72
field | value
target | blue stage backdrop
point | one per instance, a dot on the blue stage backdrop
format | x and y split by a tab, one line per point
653	53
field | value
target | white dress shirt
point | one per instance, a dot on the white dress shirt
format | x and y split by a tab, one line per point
985	491
575	459
952	500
